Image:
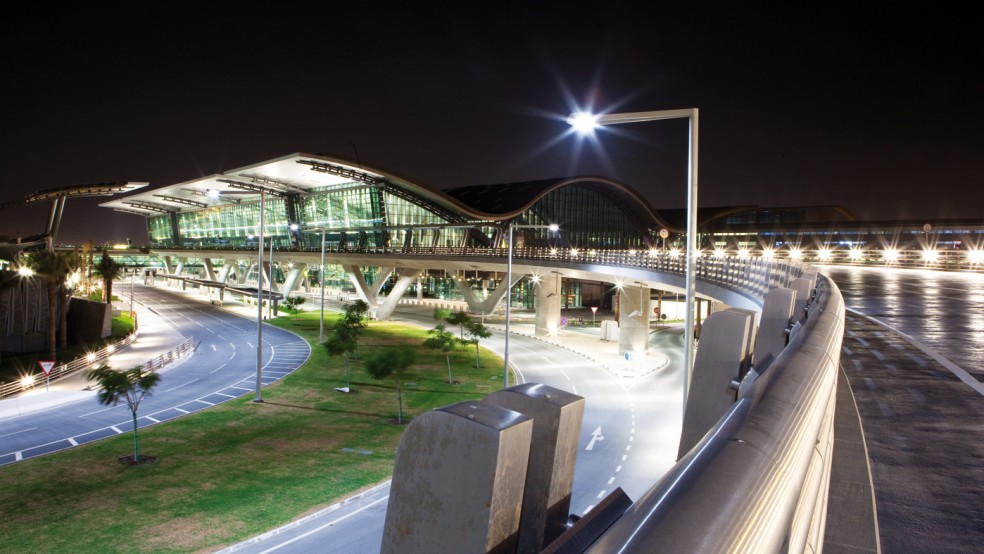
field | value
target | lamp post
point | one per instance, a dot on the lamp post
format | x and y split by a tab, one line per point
321	324
584	122
505	357
259	305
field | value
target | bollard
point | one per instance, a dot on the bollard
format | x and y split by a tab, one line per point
458	481
557	417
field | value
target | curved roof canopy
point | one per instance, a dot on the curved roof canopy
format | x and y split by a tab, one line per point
302	174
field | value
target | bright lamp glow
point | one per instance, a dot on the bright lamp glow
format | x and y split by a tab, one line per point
553	227
795	253
823	254
584	123
674	252
890	255
975	256
25	271
719	252
854	254
930	255
743	254
768	253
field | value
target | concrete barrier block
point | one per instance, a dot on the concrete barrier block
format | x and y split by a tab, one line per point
557	417
803	289
458	481
722	352
777	309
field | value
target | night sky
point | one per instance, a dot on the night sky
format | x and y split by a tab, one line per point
876	109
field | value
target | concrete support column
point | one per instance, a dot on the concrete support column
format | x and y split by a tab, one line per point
292	279
420	287
458	481
209	269
487	305
388	304
168	264
720	360
223	275
633	319
180	266
557	417
548	301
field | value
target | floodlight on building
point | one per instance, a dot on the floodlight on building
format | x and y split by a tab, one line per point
930	255
823	254
975	256
855	254
890	255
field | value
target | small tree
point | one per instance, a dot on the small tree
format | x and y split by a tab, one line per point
461	319
475	331
291	304
132	385
354	318
444	341
341	341
391	362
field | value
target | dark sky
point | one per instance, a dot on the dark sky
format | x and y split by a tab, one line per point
878	109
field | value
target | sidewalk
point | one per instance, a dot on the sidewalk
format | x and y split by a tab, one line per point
155	337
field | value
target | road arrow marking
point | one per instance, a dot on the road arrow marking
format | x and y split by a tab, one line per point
595	436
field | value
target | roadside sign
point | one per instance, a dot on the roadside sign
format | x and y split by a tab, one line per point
46	365
664	233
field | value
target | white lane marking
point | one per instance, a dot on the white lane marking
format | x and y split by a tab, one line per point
847	351
954	368
152	419
216	369
618	469
116	429
588	509
98	411
628	447
224	394
204	402
181	385
15	432
182	411
72	441
624	457
869	383
595	437
318	529
861	341
601	494
612	480
877	354
857	364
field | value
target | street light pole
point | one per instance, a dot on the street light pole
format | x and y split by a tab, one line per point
584	122
321	325
259	306
505	357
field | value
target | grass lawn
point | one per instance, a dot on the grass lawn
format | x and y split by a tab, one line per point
238	469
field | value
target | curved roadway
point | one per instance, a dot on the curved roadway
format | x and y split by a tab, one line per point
913	353
222	367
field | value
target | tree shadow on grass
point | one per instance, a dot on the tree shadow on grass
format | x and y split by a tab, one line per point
325	410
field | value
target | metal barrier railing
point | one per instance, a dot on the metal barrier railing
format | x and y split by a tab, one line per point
757	482
92	359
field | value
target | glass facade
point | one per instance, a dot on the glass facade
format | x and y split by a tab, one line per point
588	218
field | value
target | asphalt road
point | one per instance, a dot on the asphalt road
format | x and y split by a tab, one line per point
913	352
222	367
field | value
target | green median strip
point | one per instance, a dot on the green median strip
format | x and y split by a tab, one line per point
241	468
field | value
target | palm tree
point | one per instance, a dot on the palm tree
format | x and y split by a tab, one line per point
110	270
53	268
8	280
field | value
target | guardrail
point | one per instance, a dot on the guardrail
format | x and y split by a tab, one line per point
35	380
758	480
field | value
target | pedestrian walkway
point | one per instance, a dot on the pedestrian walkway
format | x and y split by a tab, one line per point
155	336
